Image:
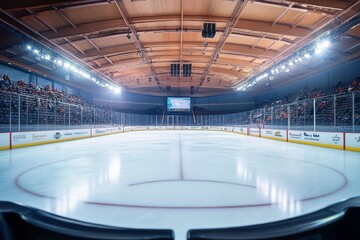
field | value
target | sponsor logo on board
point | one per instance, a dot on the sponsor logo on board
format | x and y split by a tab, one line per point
37	137
295	135
311	137
336	139
278	134
80	133
98	131
19	136
57	135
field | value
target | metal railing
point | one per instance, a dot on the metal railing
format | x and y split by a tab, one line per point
31	113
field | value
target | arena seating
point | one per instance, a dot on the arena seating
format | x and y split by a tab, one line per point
46	108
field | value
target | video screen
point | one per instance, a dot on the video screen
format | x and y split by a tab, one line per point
178	104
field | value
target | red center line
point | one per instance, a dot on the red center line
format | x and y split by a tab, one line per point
180	159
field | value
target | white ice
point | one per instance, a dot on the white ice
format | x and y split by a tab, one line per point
178	180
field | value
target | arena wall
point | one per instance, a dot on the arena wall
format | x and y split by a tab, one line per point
4	141
337	140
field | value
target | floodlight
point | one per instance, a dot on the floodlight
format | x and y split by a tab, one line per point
117	90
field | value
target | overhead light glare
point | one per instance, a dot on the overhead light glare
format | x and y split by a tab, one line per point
117	90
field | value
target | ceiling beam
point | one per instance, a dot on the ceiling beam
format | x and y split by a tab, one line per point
124	32
247	50
85	28
108	25
135	37
301	8
331	4
127	48
143	70
267	27
175	58
18	4
235	49
130	48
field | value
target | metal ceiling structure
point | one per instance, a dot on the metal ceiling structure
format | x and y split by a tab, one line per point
133	42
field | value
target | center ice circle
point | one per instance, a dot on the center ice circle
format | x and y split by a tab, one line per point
185	177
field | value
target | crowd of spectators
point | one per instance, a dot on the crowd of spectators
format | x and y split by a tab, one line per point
305	93
45	105
302	110
46	92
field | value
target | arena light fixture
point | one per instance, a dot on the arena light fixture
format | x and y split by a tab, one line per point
66	65
44	55
117	90
302	56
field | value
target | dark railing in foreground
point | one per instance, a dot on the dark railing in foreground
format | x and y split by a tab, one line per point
340	221
24	223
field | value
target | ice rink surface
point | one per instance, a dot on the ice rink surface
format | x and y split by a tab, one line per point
178	180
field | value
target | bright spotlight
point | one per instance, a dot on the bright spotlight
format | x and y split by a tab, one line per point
326	43
117	90
66	65
318	50
291	63
28	47
59	62
47	57
36	51
283	66
307	55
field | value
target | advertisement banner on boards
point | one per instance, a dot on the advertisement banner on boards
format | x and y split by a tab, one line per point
274	134
241	130
104	131
353	141
41	137
254	132
325	139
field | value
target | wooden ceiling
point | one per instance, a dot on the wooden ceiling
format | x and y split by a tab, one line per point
133	42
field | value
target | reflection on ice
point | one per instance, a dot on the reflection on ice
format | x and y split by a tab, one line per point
78	192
